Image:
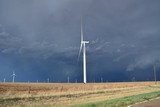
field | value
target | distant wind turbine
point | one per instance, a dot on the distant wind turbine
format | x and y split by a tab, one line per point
83	45
4	80
68	79
155	76
13	75
76	81
101	79
47	80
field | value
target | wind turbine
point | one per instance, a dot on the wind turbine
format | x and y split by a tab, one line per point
13	75
68	79
76	81
155	75
83	45
47	80
101	80
4	80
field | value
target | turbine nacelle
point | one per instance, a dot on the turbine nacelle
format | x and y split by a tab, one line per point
14	75
83	42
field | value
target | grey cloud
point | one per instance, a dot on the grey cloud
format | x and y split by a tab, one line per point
143	61
124	31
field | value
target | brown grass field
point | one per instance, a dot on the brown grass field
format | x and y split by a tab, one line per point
65	94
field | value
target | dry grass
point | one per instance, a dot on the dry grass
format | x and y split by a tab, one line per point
65	94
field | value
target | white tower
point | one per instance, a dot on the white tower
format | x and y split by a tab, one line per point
83	45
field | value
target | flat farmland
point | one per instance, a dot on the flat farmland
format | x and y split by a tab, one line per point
68	94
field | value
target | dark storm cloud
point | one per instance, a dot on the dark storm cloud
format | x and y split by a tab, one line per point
124	35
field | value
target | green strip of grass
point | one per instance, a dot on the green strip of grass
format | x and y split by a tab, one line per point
121	102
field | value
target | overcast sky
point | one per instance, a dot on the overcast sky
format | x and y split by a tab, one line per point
40	39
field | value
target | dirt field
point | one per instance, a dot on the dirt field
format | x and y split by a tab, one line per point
68	94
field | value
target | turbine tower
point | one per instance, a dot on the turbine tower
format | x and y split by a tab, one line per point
83	45
13	75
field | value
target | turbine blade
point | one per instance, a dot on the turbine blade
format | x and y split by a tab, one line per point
79	52
81	30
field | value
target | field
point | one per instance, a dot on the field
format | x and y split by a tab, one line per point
68	94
